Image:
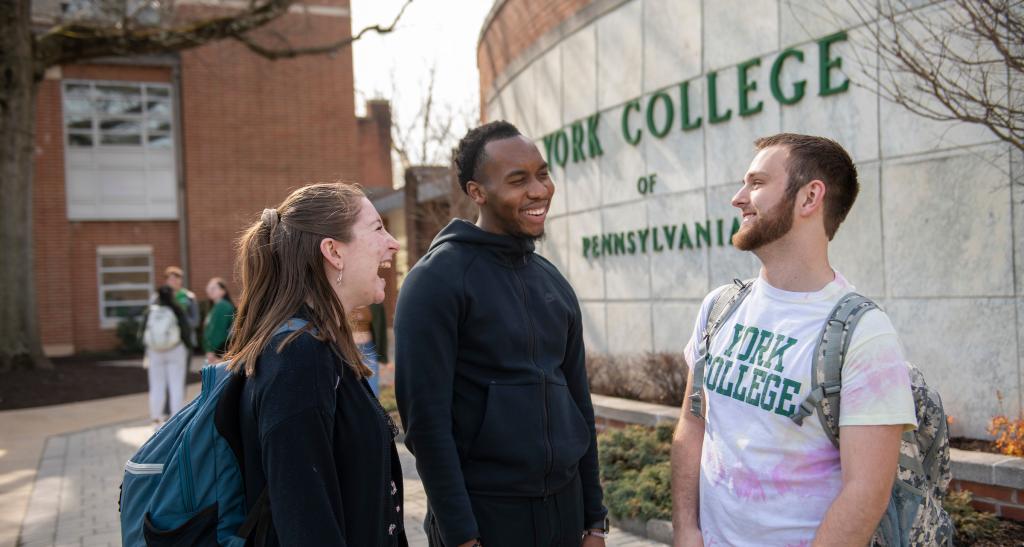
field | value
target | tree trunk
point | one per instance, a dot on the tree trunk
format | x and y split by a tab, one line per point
20	344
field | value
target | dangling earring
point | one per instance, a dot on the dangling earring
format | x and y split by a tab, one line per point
337	281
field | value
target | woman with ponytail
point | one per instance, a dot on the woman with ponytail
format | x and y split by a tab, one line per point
313	434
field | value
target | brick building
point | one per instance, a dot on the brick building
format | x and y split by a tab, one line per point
147	162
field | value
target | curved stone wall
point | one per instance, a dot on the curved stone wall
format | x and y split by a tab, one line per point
647	110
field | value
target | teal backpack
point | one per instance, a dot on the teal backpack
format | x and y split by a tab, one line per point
186	485
914	516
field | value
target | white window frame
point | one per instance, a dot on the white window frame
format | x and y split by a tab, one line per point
122	250
153	167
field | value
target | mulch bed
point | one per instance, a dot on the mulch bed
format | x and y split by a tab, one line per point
974	445
1010	533
73	379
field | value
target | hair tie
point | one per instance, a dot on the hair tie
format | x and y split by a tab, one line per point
270	218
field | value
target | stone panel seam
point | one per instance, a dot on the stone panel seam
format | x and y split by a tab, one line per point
643	152
1013	167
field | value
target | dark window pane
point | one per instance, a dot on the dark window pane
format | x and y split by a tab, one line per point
159	108
79	122
114	125
120	140
125	91
160	140
79	139
124	261
77	89
158	91
119	312
116	278
116	295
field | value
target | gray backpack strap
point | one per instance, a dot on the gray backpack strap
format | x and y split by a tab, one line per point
827	367
724	305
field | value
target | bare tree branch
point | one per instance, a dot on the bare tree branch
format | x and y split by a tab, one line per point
428	104
951	60
426	139
325	49
77	41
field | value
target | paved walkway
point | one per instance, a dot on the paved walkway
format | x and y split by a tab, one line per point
60	468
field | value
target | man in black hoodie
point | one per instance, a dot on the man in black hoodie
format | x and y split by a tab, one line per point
490	374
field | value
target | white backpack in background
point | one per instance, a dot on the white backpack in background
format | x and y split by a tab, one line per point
162	332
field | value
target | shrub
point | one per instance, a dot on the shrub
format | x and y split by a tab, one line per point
387	398
971	525
637	477
632	448
644	495
128	334
651	377
636	472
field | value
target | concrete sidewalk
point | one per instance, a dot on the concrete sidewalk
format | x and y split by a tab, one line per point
60	468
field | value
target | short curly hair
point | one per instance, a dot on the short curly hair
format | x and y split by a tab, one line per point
470	153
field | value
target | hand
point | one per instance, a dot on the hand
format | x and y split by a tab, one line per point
689	537
471	543
593	541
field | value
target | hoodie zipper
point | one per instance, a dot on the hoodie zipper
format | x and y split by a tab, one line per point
548	452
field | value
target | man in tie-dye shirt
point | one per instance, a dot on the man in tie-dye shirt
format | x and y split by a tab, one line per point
747	474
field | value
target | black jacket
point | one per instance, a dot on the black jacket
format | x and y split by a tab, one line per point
315	436
490	377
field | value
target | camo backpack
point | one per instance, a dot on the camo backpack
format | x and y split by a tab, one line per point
914	516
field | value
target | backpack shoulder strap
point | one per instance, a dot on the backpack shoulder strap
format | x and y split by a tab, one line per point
258	515
723	306
827	366
293	324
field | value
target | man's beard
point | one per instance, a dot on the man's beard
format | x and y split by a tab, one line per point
767	227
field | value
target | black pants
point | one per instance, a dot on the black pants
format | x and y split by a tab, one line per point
554	521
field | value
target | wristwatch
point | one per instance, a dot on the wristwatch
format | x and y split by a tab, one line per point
598	529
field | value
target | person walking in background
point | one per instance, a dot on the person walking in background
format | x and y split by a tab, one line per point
370	331
360	320
186	300
313	435
165	335
217	325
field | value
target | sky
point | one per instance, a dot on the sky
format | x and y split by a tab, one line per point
432	33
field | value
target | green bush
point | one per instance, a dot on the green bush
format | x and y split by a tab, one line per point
632	448
387	399
637	478
971	525
128	334
644	495
636	472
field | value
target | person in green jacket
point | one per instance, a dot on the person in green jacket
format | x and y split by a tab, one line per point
217	326
186	299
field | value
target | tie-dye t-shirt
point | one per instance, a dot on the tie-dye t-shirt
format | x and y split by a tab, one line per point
764	480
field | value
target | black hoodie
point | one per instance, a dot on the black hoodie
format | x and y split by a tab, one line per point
490	377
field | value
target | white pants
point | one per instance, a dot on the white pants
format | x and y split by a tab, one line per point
166	373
